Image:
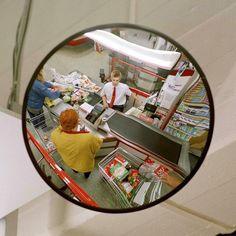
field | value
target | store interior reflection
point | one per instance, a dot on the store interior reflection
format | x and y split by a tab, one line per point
150	148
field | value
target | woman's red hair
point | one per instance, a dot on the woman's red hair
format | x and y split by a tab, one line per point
69	119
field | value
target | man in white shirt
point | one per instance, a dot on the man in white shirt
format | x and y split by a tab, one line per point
114	93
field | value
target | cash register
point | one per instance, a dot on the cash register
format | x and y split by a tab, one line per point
98	115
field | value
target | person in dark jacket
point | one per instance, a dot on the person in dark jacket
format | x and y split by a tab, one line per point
37	94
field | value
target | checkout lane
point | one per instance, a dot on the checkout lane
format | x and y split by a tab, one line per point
108	124
86	99
166	148
132	132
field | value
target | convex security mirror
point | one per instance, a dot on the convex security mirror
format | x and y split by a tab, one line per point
118	118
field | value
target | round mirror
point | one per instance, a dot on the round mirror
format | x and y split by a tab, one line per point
118	118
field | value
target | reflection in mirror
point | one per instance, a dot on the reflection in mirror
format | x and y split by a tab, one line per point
125	148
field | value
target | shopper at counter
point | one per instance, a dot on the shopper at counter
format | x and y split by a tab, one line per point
114	93
37	94
77	148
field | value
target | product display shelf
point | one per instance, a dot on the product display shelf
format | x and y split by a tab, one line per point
191	117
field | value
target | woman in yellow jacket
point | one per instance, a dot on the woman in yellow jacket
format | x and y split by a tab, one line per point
77	148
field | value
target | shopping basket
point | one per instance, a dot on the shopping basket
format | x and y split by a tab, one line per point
131	162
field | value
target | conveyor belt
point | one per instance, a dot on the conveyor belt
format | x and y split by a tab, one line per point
145	137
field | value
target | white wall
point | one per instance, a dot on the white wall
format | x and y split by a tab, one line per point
19	181
207	29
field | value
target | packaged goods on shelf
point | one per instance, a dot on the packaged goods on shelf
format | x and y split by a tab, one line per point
75	79
118	171
192	116
141	185
127	188
133	177
152	170
118	168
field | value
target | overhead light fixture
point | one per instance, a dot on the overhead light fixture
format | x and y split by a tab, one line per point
159	58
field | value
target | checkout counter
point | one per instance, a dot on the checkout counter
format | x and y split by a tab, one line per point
164	147
110	123
123	126
141	141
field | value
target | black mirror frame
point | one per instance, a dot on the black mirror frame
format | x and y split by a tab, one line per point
186	180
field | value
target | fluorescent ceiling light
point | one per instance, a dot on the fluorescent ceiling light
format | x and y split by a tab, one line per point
159	58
